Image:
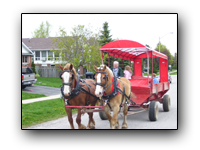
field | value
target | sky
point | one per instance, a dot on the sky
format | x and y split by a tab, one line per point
143	28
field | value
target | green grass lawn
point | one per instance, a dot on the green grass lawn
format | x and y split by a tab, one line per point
38	112
49	81
174	73
30	95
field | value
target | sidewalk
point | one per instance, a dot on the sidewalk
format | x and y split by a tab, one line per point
40	99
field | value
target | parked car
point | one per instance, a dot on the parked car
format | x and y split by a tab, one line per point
169	78
145	70
89	75
28	77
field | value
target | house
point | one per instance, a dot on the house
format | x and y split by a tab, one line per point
26	56
41	47
43	56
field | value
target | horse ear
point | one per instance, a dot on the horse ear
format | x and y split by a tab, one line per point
104	67
61	67
95	68
71	67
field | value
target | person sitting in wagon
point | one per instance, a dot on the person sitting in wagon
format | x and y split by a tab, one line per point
116	69
127	72
155	79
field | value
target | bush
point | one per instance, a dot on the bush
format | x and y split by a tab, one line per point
83	77
33	67
37	75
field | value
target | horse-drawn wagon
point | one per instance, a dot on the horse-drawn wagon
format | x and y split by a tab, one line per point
137	92
147	93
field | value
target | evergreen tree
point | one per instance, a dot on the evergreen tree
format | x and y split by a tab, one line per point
105	37
33	67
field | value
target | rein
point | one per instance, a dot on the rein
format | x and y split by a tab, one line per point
76	90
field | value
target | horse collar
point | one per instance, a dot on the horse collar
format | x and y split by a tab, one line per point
114	88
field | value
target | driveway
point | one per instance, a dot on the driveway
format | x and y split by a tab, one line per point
46	90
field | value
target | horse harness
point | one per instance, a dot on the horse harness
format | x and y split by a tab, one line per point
116	90
78	88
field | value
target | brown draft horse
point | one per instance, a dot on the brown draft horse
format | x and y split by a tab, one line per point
104	82
69	79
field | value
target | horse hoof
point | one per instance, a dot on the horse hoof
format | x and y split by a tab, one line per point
82	127
124	126
91	127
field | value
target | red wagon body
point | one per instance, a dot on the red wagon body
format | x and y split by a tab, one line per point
143	87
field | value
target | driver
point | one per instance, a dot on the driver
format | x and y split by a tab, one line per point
116	69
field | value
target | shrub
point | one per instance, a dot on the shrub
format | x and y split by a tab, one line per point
37	75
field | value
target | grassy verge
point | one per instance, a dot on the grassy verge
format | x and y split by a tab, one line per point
49	81
39	112
30	95
174	73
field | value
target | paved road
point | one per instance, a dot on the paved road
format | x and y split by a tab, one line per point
48	91
166	120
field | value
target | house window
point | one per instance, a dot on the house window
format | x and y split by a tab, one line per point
50	55
24	59
37	55
44	55
57	56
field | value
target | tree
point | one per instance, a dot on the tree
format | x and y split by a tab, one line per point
42	31
33	67
164	50
105	36
174	65
82	48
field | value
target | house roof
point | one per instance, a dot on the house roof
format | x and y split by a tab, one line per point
28	50
39	43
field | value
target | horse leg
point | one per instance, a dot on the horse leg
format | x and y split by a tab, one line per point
78	120
124	124
70	119
107	111
114	121
91	123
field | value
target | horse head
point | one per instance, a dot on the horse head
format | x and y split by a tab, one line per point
68	75
103	75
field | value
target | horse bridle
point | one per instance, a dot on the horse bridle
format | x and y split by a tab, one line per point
69	83
106	78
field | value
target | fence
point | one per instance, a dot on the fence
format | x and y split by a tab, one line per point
48	72
51	72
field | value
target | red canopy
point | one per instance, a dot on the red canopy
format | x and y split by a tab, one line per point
127	49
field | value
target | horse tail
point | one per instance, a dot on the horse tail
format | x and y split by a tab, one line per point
133	95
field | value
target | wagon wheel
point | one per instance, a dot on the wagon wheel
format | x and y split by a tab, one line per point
103	115
166	103
153	111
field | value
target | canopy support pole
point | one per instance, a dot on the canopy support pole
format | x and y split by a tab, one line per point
102	56
108	60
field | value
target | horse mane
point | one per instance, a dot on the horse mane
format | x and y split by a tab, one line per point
110	71
107	68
